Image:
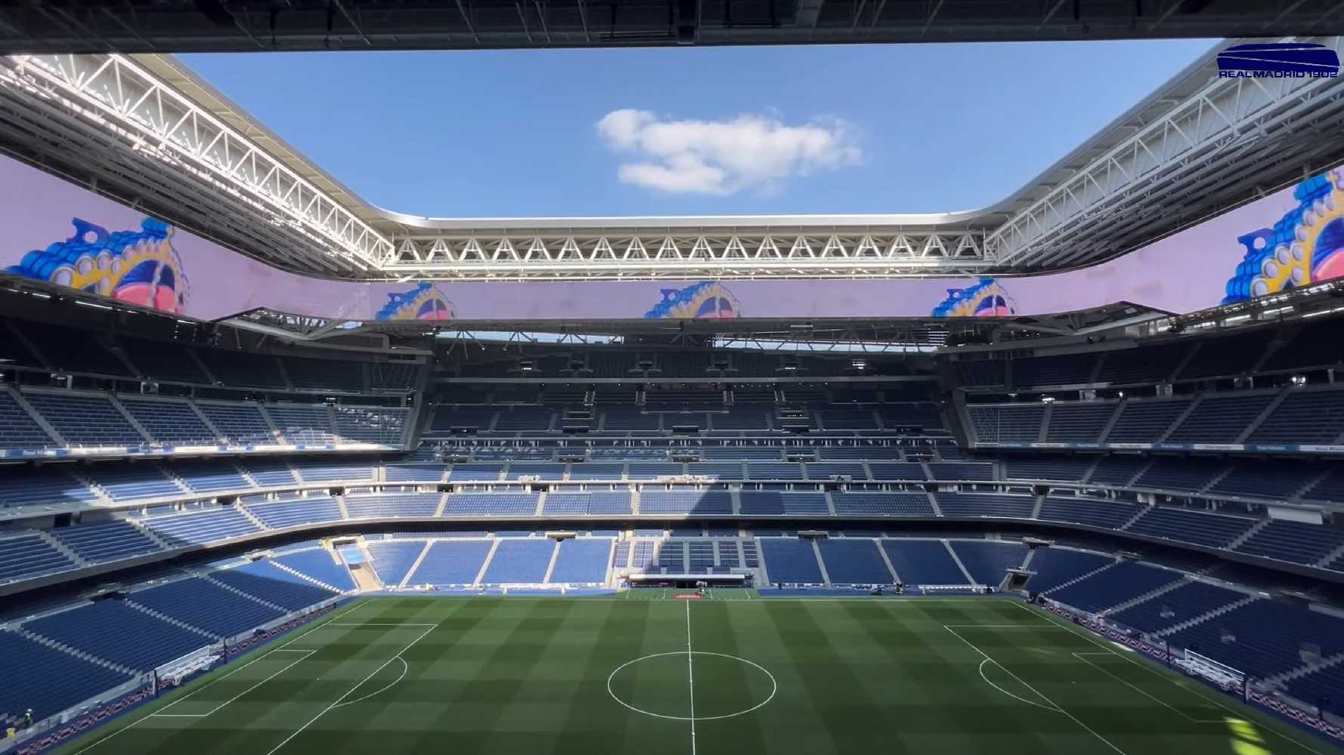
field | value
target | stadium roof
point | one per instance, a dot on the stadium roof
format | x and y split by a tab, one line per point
227	25
149	132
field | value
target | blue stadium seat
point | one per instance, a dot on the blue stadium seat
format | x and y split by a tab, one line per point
581	561
854	561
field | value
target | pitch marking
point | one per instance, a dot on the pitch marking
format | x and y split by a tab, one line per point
1051	620
1039	694
1083	657
341	699
221	706
286	644
774	686
690	673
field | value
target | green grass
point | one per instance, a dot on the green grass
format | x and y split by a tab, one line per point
535	675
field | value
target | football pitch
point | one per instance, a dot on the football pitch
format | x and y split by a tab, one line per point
732	673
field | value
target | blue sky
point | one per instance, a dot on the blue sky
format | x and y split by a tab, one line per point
889	128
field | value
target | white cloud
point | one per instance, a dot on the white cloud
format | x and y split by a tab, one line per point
723	157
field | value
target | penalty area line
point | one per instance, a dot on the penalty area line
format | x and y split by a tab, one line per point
1056	706
226	703
351	691
1090	637
690	672
358	604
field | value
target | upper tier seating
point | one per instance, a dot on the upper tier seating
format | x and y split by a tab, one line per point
882	504
758	470
210	476
324	374
955	470
163	362
1145	421
85	420
1095	513
1117	470
201	527
1220	419
825	470
27	556
1314	345
171	422
17	428
1277	479
598	503
896	470
596	471
109	540
415	472
1232	356
240	424
243	369
1141	365
1213	530
492	504
1078	421
128	482
23	486
70	350
685	502
1012	423
303	425
771	502
300	511
1069	369
368	424
1304	416
985	505
1180	474
538	471
475	472
1047	467
393	505
269	472
323	470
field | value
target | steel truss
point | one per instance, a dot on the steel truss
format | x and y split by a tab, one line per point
1197	146
754	253
162	124
1192	158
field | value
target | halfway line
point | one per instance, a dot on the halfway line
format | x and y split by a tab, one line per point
690	673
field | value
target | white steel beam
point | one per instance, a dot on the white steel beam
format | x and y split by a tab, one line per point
153	116
1221	121
1196	147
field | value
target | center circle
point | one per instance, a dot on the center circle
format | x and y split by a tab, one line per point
672	678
